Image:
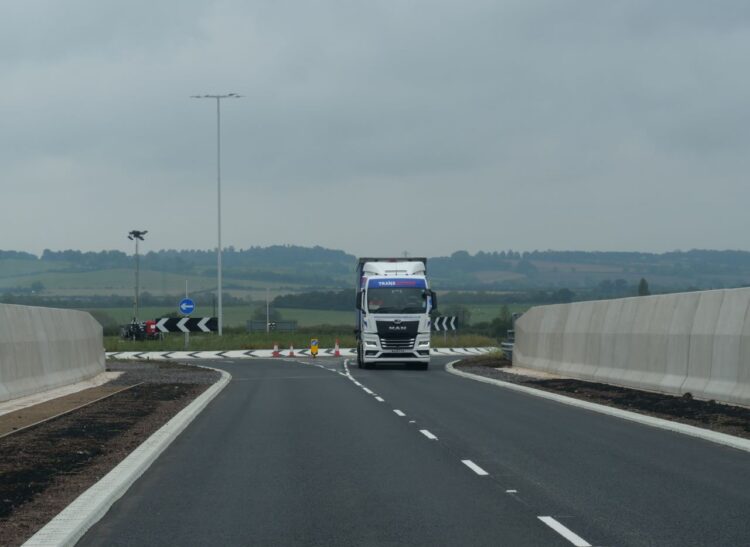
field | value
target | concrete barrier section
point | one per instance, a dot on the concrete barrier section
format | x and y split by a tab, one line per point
45	348
696	343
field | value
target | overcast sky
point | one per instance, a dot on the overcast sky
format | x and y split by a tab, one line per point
376	127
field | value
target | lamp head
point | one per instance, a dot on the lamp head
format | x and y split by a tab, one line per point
137	234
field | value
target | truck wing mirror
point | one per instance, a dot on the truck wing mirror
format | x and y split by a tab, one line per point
359	300
434	300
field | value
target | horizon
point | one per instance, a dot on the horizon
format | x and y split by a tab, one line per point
229	248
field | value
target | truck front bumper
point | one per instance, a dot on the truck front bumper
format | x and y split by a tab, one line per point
375	353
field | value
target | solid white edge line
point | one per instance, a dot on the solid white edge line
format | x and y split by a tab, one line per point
474	467
572	537
87	509
399	413
661	423
428	434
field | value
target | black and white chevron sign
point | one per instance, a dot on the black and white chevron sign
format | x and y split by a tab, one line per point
187	324
445	323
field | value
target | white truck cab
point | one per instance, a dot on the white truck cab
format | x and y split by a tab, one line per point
394	303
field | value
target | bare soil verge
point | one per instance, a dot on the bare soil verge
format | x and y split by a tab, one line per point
732	420
45	467
26	417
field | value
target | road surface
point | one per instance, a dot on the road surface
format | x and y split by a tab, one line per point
319	453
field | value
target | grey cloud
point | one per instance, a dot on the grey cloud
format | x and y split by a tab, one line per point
611	125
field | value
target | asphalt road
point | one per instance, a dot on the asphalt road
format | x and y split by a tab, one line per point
292	453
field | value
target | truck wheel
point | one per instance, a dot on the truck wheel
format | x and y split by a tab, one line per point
360	363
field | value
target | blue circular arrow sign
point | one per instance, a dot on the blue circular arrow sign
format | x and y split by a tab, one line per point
187	306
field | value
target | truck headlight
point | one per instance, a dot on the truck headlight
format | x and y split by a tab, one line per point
424	343
371	344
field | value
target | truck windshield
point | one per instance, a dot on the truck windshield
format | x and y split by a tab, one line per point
396	300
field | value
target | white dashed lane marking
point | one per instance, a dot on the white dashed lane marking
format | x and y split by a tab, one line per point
428	434
572	537
474	467
569	535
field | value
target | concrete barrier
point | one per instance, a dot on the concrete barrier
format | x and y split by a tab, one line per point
696	343
45	348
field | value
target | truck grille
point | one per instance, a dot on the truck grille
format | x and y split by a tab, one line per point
397	343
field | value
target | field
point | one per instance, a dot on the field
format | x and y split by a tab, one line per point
120	281
10	267
487	312
234	316
237	316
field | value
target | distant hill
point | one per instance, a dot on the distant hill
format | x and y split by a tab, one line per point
509	270
289	269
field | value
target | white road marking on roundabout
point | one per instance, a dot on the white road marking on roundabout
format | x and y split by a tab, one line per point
399	413
369	392
474	467
380	399
572	537
428	434
511	491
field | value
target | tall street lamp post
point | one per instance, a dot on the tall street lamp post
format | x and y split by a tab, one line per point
136	235
218	186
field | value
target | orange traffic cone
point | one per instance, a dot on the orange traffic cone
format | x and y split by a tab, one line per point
336	350
291	350
276	350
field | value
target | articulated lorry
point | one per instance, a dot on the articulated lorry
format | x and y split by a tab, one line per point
394	303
